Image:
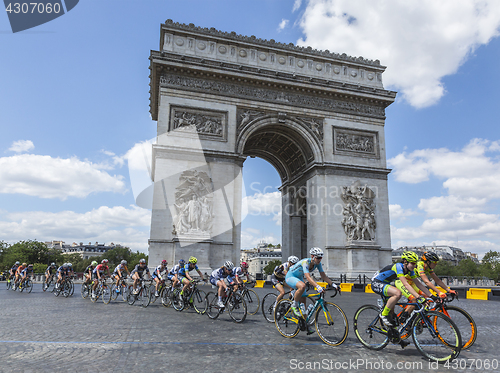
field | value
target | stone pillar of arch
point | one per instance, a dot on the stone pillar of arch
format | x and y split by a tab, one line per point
316	116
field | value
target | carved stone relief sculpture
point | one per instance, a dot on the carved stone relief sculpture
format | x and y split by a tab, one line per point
358	212
206	123
193	204
354	142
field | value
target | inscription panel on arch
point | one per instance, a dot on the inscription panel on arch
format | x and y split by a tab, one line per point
207	124
355	142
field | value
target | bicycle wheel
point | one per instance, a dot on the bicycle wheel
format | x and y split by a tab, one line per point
166	297
144	295
213	310
252	300
8	284
436	336
131	297
465	323
177	301
124	289
285	320
66	289
95	295
29	286
106	294
199	301
114	294
331	324
85	291
369	328
268	306
72	286
45	286
237	307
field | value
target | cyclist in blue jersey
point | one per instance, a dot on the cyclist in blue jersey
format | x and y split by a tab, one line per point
49	272
172	275
295	279
217	279
26	273
184	276
13	270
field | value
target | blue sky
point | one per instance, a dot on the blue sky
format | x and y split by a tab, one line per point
74	103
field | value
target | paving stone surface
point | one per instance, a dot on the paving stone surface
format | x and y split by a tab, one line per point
43	333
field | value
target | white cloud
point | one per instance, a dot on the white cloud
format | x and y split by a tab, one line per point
398	213
420	42
21	146
251	237
126	226
265	204
283	24
296	5
47	177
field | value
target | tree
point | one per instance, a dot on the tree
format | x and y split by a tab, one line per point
269	268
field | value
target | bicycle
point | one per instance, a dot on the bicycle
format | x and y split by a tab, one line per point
193	297
168	292
233	302
102	290
143	293
65	287
49	284
269	302
122	290
463	320
86	289
250	296
331	324
26	285
152	290
9	282
434	334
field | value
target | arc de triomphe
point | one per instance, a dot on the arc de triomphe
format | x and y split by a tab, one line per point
317	117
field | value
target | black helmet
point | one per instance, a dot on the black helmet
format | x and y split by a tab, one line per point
429	256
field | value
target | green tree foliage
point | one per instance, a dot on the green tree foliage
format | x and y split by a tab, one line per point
29	252
269	268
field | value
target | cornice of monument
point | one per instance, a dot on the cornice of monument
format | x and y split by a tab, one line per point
253	40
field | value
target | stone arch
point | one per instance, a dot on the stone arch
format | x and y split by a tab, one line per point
287	145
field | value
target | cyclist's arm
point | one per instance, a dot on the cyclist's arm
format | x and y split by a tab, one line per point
325	278
308	278
439	282
428	282
422	287
201	274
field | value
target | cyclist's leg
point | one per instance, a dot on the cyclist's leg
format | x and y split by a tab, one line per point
300	287
281	289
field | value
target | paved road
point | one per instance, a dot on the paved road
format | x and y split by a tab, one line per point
42	333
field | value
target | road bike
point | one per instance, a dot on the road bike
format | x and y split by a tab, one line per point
192	297
49	285
64	287
233	302
121	289
141	293
329	319
269	302
26	285
250	296
103	290
434	334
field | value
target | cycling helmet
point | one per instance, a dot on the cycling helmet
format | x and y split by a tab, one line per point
410	256
193	260
142	261
123	262
104	261
229	265
70	265
30	266
164	262
316	251
53	264
65	265
244	265
293	259
17	263
429	256
94	263
182	262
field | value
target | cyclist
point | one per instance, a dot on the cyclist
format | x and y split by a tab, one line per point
425	268
12	271
404	272
159	275
89	271
138	272
98	272
217	279
61	271
49	272
120	272
26	273
183	274
279	274
239	272
71	271
295	279
18	273
172	275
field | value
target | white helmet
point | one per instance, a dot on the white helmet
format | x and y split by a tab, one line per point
293	259
229	265
316	251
